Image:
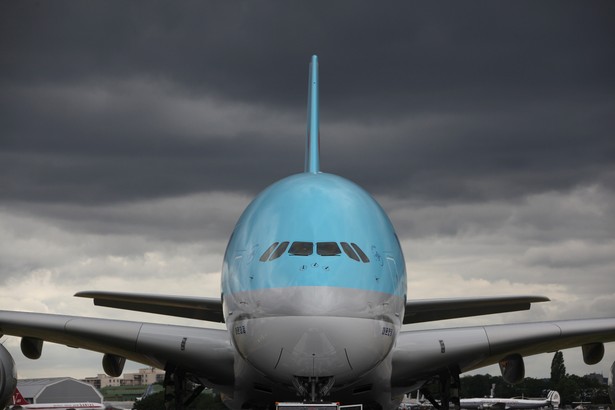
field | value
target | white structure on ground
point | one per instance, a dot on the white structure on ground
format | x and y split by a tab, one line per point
145	376
58	390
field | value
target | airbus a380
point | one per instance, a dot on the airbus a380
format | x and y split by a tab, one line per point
481	403
314	298
494	403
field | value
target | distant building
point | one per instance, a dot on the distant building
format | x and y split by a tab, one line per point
598	377
58	390
143	377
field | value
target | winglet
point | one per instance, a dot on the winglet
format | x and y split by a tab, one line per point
312	151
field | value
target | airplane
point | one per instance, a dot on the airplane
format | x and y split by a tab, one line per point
314	296
19	403
552	400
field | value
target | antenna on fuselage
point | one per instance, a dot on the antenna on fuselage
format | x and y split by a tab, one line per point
312	149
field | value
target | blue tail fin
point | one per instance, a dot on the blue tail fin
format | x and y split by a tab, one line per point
312	151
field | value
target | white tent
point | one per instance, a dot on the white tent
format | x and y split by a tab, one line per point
58	390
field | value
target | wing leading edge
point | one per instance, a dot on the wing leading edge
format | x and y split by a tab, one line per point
208	309
430	310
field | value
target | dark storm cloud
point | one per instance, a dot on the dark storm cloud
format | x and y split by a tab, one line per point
491	154
256	52
436	102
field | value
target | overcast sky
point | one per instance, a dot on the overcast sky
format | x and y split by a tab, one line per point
134	134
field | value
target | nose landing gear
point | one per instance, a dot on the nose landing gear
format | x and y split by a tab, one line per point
449	390
313	389
180	389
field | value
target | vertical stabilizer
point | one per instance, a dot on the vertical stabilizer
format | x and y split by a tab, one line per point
312	151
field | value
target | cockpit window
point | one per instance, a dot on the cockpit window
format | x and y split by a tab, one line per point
301	248
270	249
327	249
348	251
298	248
279	251
362	254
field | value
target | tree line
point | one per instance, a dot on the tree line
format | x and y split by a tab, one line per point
571	388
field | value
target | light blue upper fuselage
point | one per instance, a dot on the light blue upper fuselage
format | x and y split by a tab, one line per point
314	207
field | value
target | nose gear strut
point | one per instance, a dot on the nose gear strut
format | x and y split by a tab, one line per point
449	382
180	389
313	389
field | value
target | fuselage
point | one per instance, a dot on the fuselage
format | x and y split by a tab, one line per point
314	282
486	403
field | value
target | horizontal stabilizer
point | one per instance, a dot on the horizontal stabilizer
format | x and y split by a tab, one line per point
429	310
209	309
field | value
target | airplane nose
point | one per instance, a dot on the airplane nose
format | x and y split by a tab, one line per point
309	346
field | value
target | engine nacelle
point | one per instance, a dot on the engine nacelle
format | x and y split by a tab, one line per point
593	353
512	368
31	347
113	365
8	377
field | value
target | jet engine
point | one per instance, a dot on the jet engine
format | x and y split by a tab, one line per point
512	368
593	353
8	377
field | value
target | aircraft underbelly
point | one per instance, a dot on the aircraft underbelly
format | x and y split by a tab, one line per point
313	346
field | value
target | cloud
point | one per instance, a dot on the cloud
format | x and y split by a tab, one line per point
119	240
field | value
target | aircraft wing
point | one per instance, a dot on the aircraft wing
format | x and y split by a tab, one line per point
203	352
422	354
429	310
209	309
